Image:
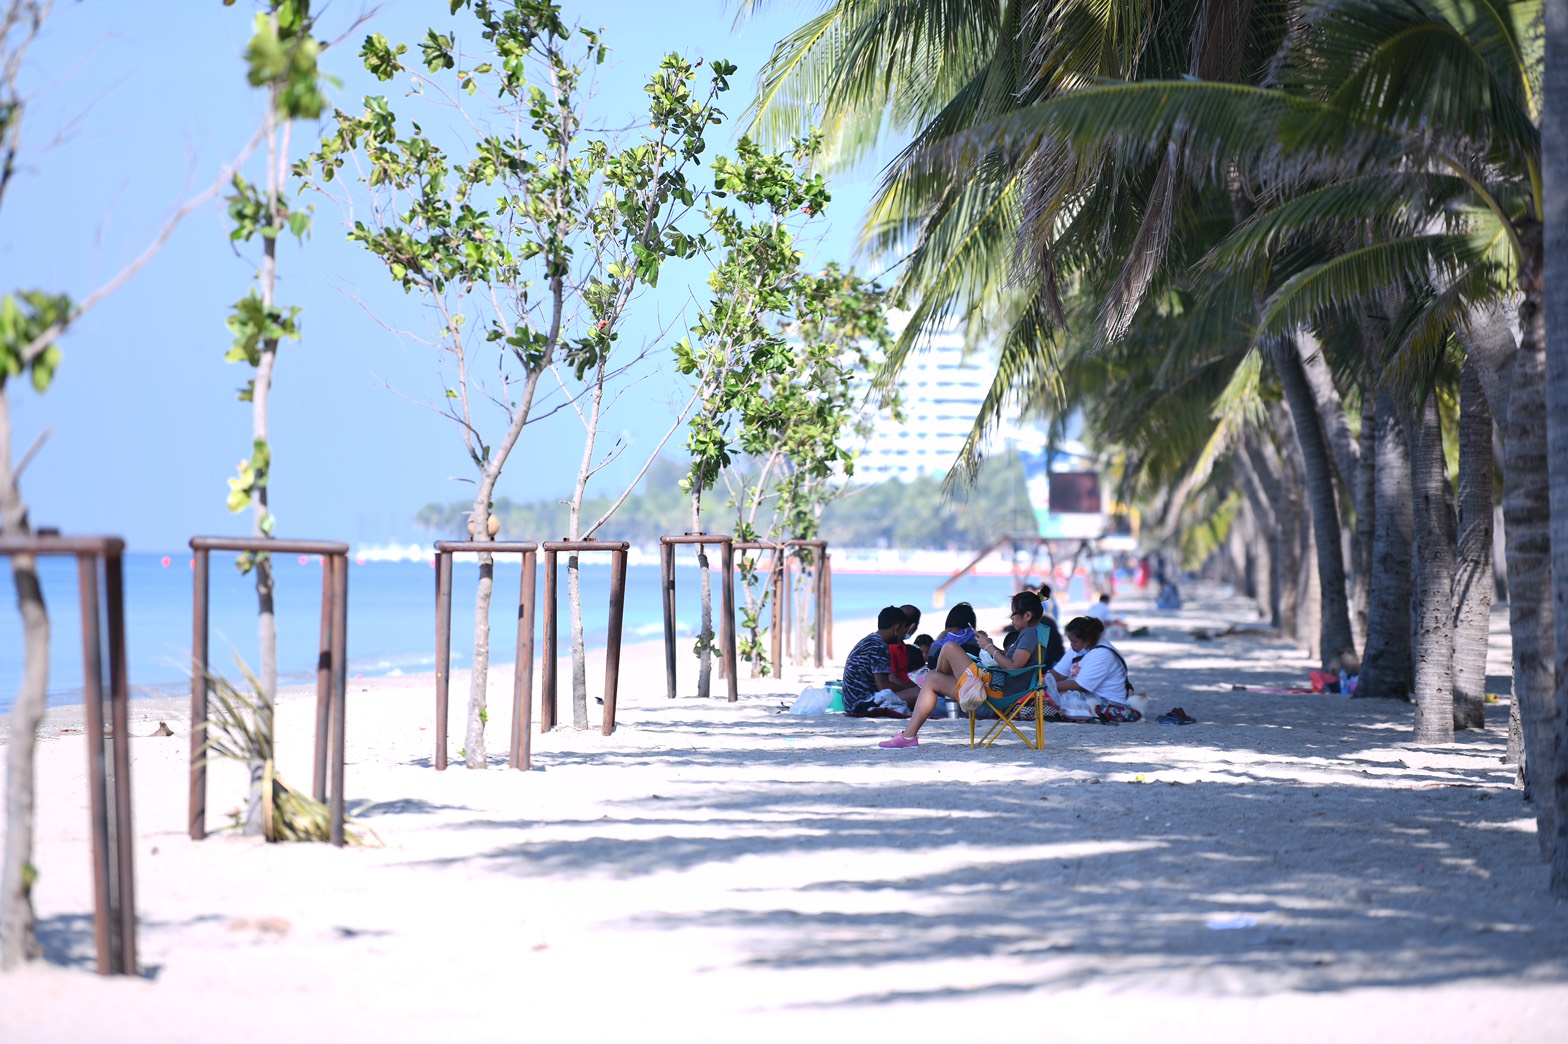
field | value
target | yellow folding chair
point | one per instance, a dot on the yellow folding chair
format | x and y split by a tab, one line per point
1009	710
1008	715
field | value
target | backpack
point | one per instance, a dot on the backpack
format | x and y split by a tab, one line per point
1126	674
1111	712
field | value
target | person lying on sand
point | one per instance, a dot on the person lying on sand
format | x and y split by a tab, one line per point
952	662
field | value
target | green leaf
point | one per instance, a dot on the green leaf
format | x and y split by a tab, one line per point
43	368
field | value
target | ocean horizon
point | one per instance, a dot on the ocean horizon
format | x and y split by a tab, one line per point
391	620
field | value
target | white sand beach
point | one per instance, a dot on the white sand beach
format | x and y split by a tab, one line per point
1290	868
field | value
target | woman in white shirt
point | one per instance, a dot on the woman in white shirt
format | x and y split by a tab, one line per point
1094	668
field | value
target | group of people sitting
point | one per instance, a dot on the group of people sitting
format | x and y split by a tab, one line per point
1083	678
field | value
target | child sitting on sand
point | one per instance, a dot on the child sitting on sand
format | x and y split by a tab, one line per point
960	629
904	660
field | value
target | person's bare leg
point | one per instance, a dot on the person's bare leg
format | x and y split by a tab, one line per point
952	660
941	682
924	705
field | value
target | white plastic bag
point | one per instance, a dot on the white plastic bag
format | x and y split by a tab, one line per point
888	700
1075	705
813	699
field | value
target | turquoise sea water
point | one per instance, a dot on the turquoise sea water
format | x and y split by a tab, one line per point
391	618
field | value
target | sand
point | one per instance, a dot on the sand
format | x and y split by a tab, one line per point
1290	868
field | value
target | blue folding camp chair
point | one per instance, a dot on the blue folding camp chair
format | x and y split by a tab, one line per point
1010	708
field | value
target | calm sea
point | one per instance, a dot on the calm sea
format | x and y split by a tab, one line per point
391	621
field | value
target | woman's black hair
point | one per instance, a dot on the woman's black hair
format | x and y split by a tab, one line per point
1027	601
1085	628
960	616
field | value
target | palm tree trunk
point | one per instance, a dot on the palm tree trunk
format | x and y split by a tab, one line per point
1336	645
1366	509
1311	612
1554	170
1257	528
1434	637
1270	471
1386	667
1473	574
18	941
1345	450
1526	514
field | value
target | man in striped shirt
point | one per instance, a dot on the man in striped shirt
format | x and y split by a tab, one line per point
866	667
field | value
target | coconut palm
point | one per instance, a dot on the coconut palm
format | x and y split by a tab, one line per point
1555	191
1424	109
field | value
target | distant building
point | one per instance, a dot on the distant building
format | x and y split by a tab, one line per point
941	394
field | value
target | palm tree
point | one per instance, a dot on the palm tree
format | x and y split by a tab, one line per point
1423	110
1554	177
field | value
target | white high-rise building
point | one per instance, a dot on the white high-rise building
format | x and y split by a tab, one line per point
941	392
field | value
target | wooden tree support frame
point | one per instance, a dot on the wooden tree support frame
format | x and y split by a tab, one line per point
822	595
612	650
521	756
331	670
776	586
108	779
726	544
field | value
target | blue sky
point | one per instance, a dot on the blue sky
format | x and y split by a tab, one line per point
136	107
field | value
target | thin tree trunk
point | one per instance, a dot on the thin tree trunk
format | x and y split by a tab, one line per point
261	391
1499	550
1251	543
18	941
574	591
1307	612
1336	645
705	582
1311	595
1554	170
1386	669
1245	534
574	597
479	519
1526	513
479	682
1263	490
1346	451
1366	508
1473	571
1434	637
1270	471
1266	526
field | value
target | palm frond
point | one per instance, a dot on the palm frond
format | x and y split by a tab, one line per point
240	729
1361	274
